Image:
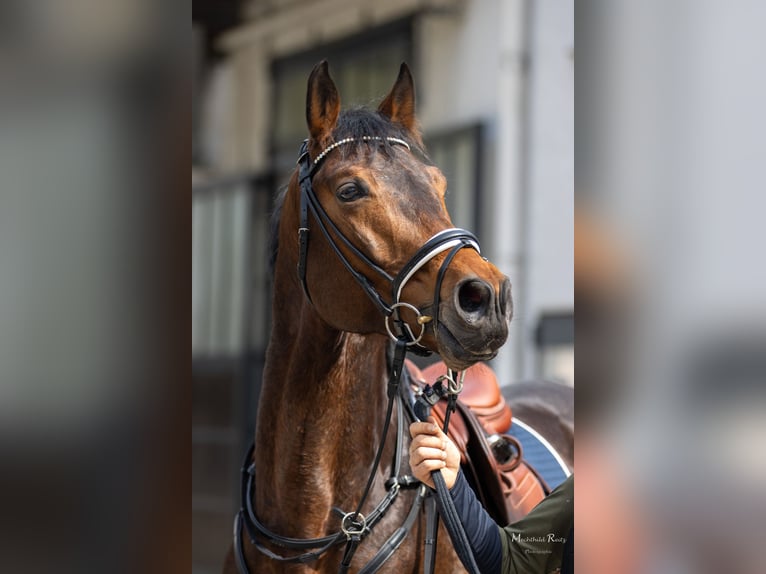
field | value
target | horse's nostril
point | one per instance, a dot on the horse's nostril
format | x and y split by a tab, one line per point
473	296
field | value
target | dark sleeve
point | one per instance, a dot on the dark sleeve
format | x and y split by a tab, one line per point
482	532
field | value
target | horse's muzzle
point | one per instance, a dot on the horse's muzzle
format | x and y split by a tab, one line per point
474	324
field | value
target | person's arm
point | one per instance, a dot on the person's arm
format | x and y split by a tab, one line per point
432	450
483	533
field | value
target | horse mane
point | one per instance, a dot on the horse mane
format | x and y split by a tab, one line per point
355	123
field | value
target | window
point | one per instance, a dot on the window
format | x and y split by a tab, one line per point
220	229
555	347
457	153
230	325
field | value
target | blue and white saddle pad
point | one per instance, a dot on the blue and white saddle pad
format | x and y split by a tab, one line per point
540	454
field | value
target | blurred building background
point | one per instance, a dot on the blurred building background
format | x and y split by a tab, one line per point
495	88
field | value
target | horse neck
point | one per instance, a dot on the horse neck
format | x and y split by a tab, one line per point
321	414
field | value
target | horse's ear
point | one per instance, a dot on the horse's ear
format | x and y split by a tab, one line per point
399	104
322	103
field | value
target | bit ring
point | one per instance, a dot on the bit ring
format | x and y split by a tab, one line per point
414	340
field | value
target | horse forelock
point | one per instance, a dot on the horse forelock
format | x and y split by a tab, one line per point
353	123
359	122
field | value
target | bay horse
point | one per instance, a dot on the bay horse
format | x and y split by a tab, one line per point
365	253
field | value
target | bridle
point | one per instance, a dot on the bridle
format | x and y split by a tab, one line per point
452	239
354	526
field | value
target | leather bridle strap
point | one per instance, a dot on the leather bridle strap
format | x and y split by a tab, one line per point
393	391
438	285
397	537
440	242
303	235
432	532
308	200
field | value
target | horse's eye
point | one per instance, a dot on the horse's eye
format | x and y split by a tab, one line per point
350	192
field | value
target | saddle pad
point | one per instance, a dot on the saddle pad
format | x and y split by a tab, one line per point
540	454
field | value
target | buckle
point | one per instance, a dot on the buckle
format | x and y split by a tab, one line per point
354	527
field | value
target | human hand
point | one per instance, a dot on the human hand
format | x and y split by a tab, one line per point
430	450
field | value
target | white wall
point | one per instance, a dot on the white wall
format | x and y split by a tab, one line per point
456	58
549	284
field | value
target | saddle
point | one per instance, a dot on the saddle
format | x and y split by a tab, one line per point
491	460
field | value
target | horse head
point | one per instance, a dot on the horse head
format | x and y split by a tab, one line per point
365	182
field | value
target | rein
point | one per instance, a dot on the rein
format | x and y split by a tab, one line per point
354	526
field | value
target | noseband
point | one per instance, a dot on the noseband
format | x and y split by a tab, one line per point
453	239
